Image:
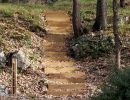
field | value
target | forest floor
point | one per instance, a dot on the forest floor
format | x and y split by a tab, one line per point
65	76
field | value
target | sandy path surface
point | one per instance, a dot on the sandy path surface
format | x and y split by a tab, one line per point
64	77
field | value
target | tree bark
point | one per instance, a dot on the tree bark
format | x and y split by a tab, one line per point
76	18
101	16
116	35
4	1
122	3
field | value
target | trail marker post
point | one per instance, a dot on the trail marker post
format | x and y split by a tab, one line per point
14	74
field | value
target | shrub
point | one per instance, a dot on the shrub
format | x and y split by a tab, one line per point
117	88
94	46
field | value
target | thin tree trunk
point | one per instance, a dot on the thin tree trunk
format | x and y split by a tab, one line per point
101	16
122	3
116	35
76	18
4	1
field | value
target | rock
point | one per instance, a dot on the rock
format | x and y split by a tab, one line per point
43	86
23	98
124	20
49	1
3	91
2	59
22	60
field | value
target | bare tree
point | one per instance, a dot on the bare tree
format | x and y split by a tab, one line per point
116	35
122	3
101	16
76	18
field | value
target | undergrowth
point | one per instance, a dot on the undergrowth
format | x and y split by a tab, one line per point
116	88
28	12
94	46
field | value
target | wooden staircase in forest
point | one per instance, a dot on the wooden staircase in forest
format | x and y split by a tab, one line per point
64	78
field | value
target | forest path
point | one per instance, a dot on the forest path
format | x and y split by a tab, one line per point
64	77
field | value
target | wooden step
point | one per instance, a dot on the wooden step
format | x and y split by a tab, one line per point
57	56
70	89
59	64
56	37
68	77
66	80
58	23
52	47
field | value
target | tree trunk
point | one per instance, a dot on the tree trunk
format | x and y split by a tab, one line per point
4	1
101	16
122	3
116	35
76	18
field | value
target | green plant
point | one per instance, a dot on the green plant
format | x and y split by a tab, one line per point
26	40
28	12
34	56
117	88
94	46
1	69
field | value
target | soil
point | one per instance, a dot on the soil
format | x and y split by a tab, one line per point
64	78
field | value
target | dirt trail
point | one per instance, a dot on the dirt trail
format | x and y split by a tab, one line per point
64	78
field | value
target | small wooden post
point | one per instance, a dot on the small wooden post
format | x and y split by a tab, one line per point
14	74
